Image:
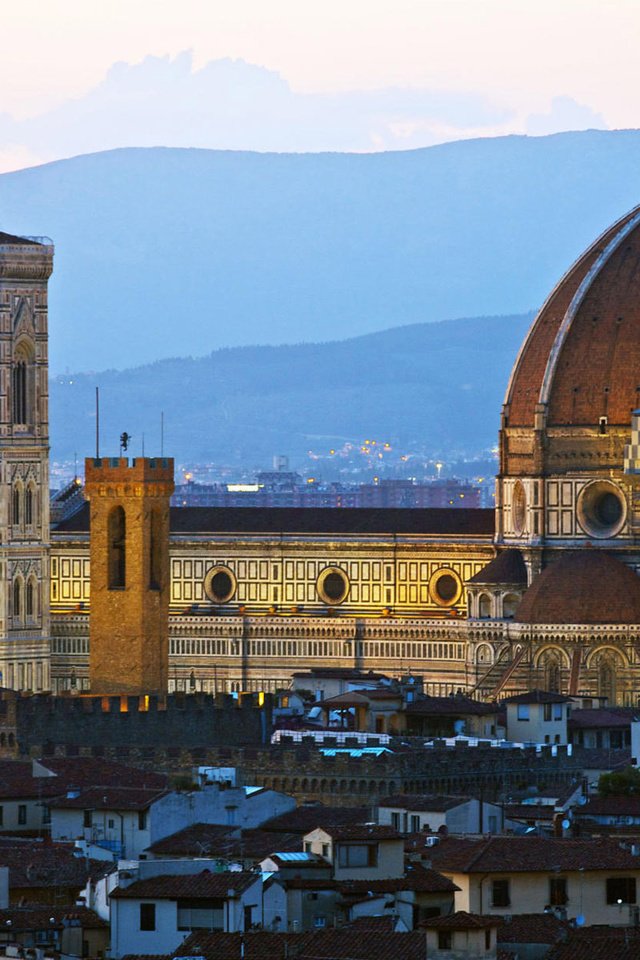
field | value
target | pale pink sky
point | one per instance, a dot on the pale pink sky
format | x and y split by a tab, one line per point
514	55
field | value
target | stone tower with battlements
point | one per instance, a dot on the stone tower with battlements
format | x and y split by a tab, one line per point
129	623
25	268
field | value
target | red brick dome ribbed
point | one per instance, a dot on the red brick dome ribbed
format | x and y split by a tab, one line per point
582	586
582	355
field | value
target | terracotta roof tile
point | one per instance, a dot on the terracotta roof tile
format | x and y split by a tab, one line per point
459	520
38	917
423	801
228	843
109	798
501	854
526	382
37	864
507	567
363	831
461	920
532	928
171	886
602	717
537	696
342	944
454	706
305	818
582	586
598	943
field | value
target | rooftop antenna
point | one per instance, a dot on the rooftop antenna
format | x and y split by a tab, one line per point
97	423
75	464
143	445
162	433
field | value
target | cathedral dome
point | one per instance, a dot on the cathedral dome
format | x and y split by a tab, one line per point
582	586
581	357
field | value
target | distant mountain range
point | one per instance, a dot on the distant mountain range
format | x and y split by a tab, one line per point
167	252
433	386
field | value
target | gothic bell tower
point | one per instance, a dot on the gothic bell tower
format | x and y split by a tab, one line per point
25	268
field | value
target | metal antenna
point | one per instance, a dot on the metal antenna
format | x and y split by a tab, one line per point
143	444
162	433
97	423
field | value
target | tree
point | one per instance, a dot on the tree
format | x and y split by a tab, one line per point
626	783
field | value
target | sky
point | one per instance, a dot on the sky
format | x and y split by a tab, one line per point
78	76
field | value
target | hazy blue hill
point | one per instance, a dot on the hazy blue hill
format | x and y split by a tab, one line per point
437	384
174	252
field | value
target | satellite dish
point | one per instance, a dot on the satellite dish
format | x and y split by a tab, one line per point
580	920
581	800
566	824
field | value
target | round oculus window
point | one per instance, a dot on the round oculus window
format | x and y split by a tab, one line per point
445	588
333	585
518	508
602	509
220	585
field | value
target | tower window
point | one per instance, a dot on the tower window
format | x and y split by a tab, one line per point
17	599
28	507
29	599
22	382
116	535
16	507
155	551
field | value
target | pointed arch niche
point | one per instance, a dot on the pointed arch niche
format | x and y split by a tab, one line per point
23	384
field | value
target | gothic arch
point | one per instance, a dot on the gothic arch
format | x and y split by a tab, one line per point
17	503
509	603
29	504
17	599
31	598
23	383
604	663
484	606
551	651
484	654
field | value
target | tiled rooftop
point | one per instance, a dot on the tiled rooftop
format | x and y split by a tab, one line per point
503	854
172	886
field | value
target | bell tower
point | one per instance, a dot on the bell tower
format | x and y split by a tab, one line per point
25	267
129	620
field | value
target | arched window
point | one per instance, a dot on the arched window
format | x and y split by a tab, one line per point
155	550
509	605
116	545
16	505
30	599
17	599
607	681
22	386
552	674
28	506
484	607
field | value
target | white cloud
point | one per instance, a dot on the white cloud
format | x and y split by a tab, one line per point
234	105
231	104
564	113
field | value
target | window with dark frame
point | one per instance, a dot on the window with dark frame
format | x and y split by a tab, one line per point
358	854
500	893
621	889
445	940
22	814
558	896
147	916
